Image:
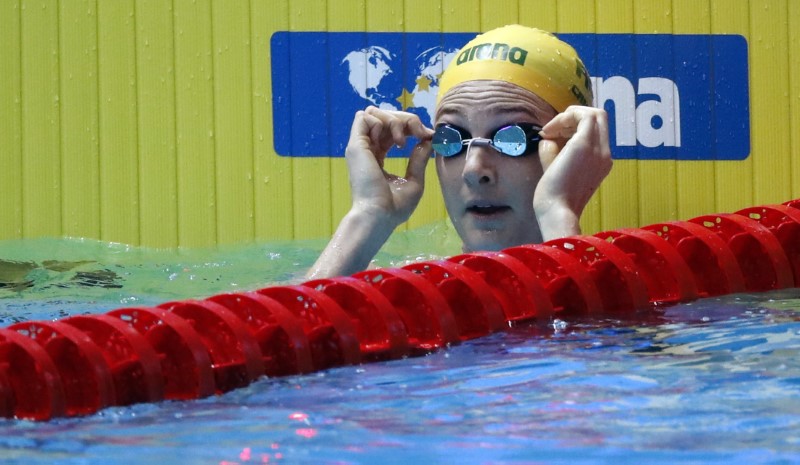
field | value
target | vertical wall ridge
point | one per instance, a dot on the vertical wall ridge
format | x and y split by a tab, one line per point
104	121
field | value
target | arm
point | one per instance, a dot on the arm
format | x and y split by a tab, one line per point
381	201
576	157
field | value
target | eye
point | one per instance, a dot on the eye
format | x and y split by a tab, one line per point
448	140
511	140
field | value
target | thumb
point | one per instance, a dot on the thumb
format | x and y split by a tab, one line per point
418	160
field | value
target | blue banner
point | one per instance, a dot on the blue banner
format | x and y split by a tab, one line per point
669	97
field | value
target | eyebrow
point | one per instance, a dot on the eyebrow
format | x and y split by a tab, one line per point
444	111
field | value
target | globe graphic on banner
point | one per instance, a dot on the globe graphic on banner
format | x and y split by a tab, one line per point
370	66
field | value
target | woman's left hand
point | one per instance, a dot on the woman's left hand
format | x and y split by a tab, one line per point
576	157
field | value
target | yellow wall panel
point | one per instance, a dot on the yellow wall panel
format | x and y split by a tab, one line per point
539	13
312	178
794	94
576	16
273	192
460	16
156	103
233	121
734	181
194	124
118	132
80	170
41	120
132	122
617	205
422	15
658	197
770	110
10	115
498	13
569	21
695	179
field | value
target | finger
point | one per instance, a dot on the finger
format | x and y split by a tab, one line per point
379	138
403	124
393	131
409	125
563	125
419	130
592	131
360	132
602	129
398	128
360	152
418	161
390	123
548	150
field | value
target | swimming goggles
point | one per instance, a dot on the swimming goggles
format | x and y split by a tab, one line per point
513	140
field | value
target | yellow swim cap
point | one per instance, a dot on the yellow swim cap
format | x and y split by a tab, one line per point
530	58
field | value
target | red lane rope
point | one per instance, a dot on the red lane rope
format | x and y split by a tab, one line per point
713	265
196	348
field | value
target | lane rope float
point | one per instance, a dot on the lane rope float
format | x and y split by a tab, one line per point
200	347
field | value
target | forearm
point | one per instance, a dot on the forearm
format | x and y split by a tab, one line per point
358	238
557	221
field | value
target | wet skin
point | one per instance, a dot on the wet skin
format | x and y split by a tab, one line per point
494	200
489	195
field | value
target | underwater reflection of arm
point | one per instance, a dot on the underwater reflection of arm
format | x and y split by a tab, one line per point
576	157
381	201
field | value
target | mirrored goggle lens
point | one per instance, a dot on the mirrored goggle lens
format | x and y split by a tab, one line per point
510	140
446	141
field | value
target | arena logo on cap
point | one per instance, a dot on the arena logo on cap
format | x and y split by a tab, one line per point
498	51
679	97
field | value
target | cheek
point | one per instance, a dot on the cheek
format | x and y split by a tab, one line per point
531	166
449	173
524	176
532	177
438	161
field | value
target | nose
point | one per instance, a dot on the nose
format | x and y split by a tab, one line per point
479	165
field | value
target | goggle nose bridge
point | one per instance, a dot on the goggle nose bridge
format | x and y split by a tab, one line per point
479	142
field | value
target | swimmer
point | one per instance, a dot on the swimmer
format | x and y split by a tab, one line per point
518	152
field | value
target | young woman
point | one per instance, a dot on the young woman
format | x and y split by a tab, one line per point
518	152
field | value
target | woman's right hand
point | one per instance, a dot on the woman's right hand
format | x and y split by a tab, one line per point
381	201
374	191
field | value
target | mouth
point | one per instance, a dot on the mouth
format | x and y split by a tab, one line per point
487	209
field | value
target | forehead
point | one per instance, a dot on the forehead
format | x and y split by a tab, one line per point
482	100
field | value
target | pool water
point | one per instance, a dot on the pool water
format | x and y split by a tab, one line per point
712	381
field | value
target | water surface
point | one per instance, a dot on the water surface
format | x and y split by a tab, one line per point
712	381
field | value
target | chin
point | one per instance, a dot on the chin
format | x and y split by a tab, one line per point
479	241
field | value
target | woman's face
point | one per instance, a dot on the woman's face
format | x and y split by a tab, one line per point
489	195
